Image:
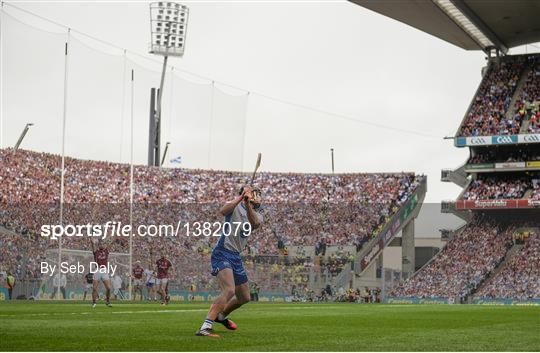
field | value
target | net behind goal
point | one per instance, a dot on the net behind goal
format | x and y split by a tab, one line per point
71	282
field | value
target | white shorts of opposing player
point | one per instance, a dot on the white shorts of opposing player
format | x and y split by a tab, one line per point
101	277
162	281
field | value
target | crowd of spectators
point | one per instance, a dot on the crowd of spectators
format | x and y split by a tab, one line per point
462	265
535	196
534	123
487	114
506	155
498	187
520	276
527	104
299	209
332	294
490	112
335	263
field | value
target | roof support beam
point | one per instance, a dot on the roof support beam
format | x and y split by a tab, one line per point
460	4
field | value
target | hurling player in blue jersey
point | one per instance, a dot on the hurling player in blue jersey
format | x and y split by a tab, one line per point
226	261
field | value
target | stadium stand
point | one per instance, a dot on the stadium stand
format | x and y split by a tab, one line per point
349	209
497	187
505	155
463	264
486	116
482	260
534	123
526	106
491	113
518	278
536	190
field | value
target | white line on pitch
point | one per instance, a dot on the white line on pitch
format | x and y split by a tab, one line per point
158	311
105	312
142	311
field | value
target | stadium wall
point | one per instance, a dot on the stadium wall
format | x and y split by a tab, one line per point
176	295
416	300
438	300
505	301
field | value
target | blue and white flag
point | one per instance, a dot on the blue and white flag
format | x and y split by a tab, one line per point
177	160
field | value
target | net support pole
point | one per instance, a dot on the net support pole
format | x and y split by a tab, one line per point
246	118
131	188
157	125
63	169
332	158
2	34
1	74
161	85
124	59
211	122
171	110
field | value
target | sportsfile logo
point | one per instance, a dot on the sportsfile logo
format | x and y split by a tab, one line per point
118	229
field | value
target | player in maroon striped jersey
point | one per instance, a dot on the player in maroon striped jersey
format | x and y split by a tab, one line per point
163	266
138	272
101	257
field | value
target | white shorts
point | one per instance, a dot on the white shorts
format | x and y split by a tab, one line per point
88	286
137	282
101	277
162	281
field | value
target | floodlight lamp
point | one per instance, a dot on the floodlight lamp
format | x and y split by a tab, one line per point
167	22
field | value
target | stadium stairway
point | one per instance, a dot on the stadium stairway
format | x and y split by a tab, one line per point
509	254
525	125
450	206
451	235
457	176
528	194
342	279
369	258
6	231
517	92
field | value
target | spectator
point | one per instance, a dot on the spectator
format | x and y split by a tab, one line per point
10	282
59	281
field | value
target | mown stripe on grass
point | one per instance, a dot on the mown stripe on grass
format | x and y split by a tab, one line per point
162	311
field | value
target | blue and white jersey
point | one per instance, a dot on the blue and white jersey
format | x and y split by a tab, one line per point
237	239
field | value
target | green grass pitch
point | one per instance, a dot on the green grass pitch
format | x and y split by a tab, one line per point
269	327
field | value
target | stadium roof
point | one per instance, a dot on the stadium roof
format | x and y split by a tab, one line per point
468	24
